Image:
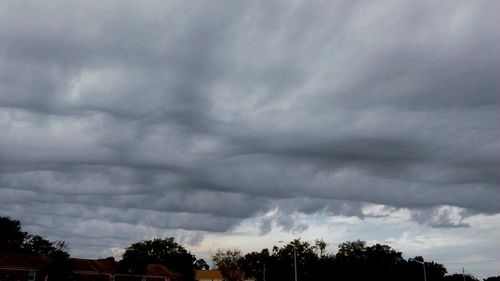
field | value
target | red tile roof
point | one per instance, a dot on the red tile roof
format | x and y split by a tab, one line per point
160	270
98	266
23	261
82	266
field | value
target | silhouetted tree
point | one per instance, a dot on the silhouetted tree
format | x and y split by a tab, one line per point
11	235
160	251
351	261
201	264
37	245
384	262
14	240
228	262
307	261
59	268
357	261
254	264
320	245
496	278
353	251
434	271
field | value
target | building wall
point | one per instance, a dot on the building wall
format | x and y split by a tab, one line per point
19	275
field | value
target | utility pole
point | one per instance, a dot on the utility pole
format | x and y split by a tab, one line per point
463	273
423	264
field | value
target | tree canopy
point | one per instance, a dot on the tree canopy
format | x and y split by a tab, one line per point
229	263
165	251
14	240
355	260
11	235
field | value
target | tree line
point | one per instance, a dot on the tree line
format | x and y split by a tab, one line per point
13	240
354	260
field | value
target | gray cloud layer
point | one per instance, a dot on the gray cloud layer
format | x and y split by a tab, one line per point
197	116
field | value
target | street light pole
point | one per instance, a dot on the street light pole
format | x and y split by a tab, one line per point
423	264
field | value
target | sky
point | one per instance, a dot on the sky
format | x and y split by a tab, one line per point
240	123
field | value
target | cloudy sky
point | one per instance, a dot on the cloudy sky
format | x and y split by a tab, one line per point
240	123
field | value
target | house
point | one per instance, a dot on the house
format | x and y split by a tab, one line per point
90	270
208	275
22	267
32	268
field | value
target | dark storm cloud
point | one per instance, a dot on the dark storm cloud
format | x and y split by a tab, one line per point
198	116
